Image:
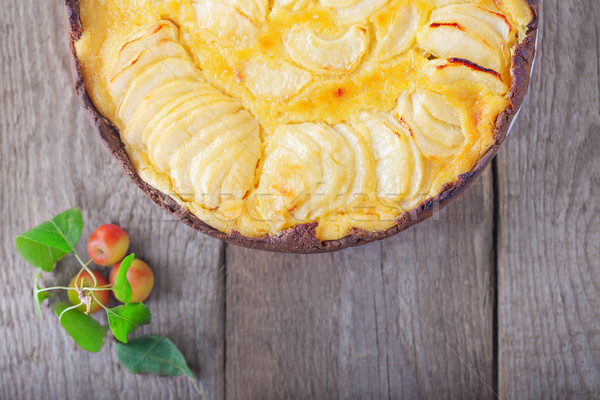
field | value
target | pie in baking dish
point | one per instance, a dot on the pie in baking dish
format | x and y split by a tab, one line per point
263	116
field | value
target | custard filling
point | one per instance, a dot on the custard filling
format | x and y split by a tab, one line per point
260	115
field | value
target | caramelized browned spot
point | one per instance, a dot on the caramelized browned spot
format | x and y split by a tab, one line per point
156	28
470	64
404	124
450	24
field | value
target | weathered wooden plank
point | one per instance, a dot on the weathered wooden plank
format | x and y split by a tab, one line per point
51	160
549	232
389	320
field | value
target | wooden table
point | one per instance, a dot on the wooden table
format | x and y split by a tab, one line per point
497	296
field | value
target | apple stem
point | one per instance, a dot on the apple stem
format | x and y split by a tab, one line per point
98	302
68	309
54	288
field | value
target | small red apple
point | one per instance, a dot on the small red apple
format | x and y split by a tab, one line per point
108	244
140	277
85	280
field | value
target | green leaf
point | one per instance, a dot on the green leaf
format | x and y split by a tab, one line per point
50	241
86	331
152	354
124	320
70	225
122	288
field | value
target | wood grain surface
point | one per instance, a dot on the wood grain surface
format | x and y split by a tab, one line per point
417	316
549	221
52	160
410	317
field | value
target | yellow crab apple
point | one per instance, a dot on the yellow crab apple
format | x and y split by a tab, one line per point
79	293
140	277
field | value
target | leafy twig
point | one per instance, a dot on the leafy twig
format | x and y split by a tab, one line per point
43	246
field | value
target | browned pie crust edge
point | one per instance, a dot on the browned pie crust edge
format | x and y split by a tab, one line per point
302	238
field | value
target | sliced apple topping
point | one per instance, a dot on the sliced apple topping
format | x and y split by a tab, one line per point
195	114
224	170
149	79
288	178
136	55
439	3
397	35
353	11
294	5
271	79
433	124
235	138
339	55
313	168
140	41
362	159
470	32
200	137
324	76
496	21
231	19
151	106
170	107
401	168
457	69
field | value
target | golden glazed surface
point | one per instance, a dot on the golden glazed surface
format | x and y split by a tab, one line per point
260	115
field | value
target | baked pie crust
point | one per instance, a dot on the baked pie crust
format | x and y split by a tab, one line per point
302	125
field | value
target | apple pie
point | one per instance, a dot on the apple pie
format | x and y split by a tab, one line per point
302	125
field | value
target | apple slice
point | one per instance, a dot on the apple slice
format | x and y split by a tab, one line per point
353	11
337	162
169	132
439	3
457	69
338	176
289	182
193	115
397	36
119	82
150	79
179	164
211	169
231	19
143	38
473	25
492	19
150	107
470	32
433	127
294	5
161	119
364	172
339	55
400	166
274	80
187	124
452	40
433	124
